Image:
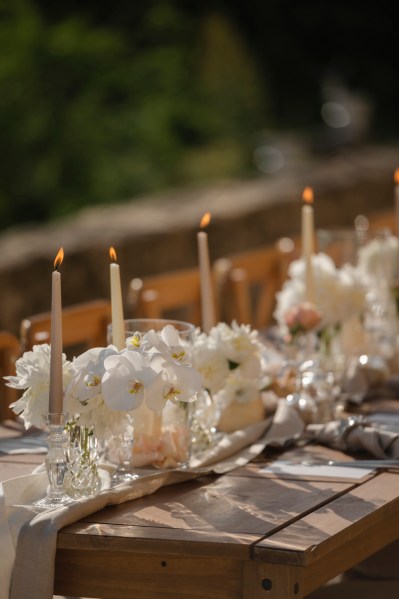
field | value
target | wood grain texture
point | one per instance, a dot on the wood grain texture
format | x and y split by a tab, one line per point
116	575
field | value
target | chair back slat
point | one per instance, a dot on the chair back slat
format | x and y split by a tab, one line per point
175	294
83	326
9	353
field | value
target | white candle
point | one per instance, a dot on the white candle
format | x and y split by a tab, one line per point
396	179
207	297
308	243
56	382
118	327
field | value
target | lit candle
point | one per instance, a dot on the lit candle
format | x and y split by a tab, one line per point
207	298
56	382
118	327
308	243
396	180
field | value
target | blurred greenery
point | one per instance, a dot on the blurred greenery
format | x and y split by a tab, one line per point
101	102
89	114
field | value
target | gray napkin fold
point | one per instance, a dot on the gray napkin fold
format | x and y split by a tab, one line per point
23	445
356	434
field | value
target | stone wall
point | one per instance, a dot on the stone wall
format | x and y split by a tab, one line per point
157	234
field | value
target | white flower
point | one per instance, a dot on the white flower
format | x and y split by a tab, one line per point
238	389
33	375
225	350
379	258
126	378
84	395
211	363
168	343
175	382
340	293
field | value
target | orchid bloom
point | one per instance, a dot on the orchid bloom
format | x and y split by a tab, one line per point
167	342
127	376
177	382
88	370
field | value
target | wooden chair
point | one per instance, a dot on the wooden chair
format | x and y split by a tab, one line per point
386	219
249	281
83	326
9	352
175	294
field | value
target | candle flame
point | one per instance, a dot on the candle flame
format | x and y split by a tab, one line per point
112	254
307	195
396	176
59	258
205	220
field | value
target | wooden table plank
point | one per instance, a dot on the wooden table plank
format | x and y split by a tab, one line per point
203	526
229	504
334	538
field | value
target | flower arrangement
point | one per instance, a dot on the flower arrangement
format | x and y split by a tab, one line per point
103	387
340	292
378	258
301	318
229	360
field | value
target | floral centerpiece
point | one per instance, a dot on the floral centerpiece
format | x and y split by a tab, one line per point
229	360
378	264
340	298
105	388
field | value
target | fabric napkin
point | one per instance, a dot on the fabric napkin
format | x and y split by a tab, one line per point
356	434
23	445
21	528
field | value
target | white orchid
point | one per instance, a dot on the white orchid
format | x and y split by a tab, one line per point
33	375
168	343
109	385
127	377
177	382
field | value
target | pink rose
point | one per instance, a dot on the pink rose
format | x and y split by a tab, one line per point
302	317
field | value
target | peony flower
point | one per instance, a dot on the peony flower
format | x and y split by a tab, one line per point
225	350
33	375
238	389
378	259
340	293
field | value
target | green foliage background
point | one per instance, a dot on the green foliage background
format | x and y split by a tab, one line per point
100	102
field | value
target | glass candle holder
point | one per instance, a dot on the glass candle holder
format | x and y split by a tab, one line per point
56	460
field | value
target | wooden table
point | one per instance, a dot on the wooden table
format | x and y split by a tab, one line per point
244	535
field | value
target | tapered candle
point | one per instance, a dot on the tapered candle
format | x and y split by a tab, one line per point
118	327
207	296
56	382
396	180
308	243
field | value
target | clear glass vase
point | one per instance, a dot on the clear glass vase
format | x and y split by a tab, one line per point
121	452
163	440
82	478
